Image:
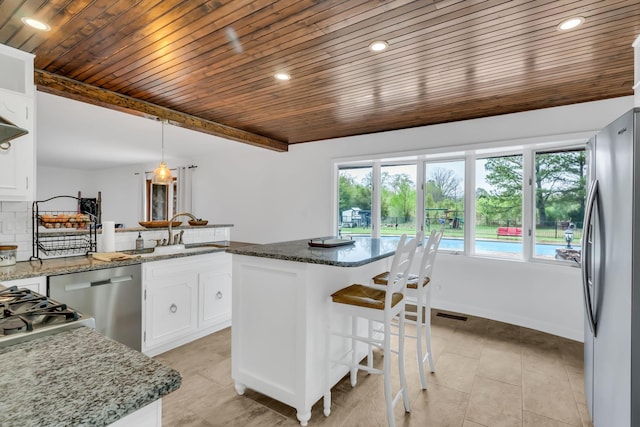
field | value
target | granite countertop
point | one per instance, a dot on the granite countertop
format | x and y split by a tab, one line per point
52	232
75	264
78	378
363	251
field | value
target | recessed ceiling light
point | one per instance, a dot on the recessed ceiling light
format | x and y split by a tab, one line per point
34	23
378	46
571	23
282	76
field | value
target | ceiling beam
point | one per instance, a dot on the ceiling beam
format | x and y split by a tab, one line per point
69	88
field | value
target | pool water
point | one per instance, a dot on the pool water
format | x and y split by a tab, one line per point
493	246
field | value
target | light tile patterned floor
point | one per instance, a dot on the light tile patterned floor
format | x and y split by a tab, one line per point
487	374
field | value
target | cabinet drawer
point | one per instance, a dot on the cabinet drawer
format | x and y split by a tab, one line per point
35	284
159	270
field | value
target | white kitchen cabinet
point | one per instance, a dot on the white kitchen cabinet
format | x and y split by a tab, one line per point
214	287
36	284
184	299
170	297
17	163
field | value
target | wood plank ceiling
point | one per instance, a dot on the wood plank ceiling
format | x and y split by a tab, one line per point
210	65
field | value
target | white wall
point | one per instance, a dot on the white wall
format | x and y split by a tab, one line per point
53	182
121	189
272	197
282	196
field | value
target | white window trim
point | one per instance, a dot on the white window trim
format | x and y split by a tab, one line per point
469	153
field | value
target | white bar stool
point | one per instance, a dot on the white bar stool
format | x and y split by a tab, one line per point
419	291
373	303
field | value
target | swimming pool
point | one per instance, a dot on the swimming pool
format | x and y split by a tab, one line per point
493	246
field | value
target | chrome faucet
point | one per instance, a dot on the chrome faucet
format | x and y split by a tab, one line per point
171	237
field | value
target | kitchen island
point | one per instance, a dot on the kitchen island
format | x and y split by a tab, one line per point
80	377
279	314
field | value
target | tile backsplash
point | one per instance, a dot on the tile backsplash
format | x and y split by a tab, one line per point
15	227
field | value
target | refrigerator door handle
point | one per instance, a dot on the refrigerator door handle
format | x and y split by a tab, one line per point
587	247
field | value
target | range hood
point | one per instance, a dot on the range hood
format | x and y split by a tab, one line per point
9	131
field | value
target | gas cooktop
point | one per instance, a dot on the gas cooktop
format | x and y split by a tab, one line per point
26	315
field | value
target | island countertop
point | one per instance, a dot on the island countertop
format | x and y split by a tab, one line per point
78	377
364	250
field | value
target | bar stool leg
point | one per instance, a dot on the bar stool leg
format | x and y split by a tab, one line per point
370	353
387	374
354	345
403	378
327	367
419	352
427	329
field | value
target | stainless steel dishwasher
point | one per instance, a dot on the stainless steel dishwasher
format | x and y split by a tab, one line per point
113	296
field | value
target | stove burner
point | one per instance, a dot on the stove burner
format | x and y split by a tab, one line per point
14	325
21	310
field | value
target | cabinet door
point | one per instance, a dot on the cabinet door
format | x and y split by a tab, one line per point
17	71
214	285
171	309
17	162
35	284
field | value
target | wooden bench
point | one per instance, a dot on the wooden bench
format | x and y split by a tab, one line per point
509	231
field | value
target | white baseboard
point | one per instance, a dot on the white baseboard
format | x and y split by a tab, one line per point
512	318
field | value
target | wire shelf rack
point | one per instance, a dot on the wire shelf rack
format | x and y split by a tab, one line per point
62	232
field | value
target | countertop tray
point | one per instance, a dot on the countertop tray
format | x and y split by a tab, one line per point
330	243
159	224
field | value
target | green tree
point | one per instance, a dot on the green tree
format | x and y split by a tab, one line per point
403	197
352	194
504	202
560	187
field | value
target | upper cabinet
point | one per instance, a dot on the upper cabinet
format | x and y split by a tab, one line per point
17	105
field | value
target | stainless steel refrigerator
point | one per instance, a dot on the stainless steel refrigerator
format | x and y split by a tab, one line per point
611	275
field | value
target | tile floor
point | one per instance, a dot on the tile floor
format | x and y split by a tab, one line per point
487	374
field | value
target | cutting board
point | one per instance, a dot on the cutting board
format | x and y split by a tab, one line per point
111	256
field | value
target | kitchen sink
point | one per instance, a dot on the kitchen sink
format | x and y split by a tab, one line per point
168	250
184	249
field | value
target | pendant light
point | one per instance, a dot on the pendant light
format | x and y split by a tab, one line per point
162	174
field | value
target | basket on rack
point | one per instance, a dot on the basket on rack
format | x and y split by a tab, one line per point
62	232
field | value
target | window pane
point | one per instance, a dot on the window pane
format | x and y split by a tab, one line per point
444	201
398	200
354	200
560	191
499	206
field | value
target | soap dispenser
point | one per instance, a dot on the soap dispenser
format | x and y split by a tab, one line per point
139	242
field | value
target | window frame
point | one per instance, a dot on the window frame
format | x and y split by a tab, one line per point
469	154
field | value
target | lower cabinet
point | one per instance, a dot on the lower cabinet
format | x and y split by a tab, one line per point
36	284
185	299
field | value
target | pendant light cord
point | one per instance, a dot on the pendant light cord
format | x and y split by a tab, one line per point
163	121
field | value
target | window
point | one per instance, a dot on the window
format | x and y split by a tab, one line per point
499	206
398	200
444	201
161	201
560	192
519	203
354	200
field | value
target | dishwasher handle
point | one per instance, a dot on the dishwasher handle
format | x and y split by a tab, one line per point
85	285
